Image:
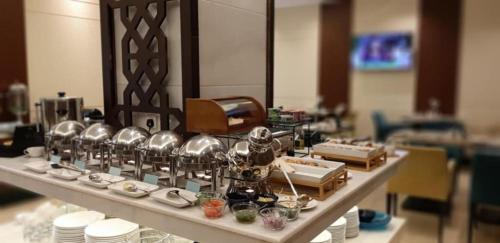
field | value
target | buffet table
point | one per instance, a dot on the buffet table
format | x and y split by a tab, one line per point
190	222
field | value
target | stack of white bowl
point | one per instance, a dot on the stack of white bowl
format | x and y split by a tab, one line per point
352	226
323	237
337	229
112	231
69	228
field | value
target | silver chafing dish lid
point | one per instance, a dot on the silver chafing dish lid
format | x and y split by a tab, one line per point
260	137
162	143
202	150
129	137
65	130
96	133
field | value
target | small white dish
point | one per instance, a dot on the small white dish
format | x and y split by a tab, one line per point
143	188
310	205
64	174
39	166
107	180
161	196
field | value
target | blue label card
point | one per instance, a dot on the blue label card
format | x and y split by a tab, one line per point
150	179
56	159
80	164
192	186
115	171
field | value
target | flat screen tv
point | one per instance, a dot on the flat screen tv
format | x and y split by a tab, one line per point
382	52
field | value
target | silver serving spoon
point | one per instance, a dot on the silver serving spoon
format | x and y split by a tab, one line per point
98	179
176	194
302	198
61	166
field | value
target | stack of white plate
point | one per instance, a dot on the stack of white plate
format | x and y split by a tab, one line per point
323	237
352	226
69	228
337	229
112	231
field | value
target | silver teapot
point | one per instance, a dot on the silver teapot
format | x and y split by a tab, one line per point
252	159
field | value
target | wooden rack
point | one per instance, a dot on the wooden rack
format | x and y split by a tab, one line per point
355	163
319	191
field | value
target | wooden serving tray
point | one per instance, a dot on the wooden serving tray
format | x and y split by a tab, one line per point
356	163
319	191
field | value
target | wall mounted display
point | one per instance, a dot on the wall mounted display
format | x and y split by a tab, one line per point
382	51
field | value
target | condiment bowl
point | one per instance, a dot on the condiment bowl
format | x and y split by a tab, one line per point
245	212
274	218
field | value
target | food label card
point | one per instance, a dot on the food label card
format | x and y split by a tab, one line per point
115	171
80	164
56	159
150	179
192	186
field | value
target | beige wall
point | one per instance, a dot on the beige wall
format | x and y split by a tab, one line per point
232	48
391	91
64	49
296	56
479	83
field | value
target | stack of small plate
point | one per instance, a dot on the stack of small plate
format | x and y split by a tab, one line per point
337	229
352	225
323	237
69	228
112	231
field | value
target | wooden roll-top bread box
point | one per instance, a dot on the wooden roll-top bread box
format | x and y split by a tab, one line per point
224	115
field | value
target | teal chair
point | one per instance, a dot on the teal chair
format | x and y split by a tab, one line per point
384	128
485	186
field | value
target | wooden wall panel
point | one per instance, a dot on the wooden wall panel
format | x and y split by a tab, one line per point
439	32
12	50
335	46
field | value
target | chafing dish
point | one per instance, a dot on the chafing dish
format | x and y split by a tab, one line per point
159	150
202	153
123	144
251	162
61	137
92	140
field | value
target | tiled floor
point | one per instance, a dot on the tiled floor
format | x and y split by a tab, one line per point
420	228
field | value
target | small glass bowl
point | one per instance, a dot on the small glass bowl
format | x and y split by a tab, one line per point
292	208
245	212
202	197
274	218
214	208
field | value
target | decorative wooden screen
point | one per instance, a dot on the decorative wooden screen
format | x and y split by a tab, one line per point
143	61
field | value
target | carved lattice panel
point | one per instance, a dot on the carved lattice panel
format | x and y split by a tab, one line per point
143	59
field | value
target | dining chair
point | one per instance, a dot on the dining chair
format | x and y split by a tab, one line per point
484	190
383	128
426	178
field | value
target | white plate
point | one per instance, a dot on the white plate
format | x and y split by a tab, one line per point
161	196
310	205
64	174
39	166
110	228
145	188
107	178
310	173
77	220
